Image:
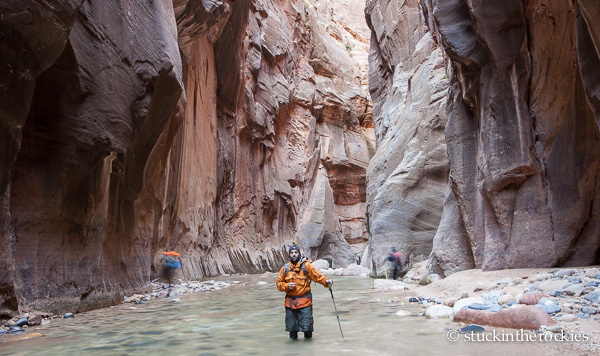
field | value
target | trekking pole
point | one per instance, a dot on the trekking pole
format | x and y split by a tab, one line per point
336	312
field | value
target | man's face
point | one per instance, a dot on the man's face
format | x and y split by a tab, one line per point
294	256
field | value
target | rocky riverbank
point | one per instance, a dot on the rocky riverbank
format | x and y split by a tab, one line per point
558	303
160	290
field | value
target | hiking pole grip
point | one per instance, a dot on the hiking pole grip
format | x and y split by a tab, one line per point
336	312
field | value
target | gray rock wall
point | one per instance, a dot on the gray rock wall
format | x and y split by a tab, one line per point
408	174
520	110
521	134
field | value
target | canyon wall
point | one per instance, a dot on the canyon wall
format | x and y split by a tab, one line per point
408	174
223	130
520	110
523	143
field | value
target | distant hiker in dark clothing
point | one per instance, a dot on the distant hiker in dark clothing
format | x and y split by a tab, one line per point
172	262
294	279
396	259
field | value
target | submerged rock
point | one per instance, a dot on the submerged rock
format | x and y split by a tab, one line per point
15	329
403	313
471	328
21	322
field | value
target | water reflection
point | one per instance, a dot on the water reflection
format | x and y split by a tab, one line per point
249	320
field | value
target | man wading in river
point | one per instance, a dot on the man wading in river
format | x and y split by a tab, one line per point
294	279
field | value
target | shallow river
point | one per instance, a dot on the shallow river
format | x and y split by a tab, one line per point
249	320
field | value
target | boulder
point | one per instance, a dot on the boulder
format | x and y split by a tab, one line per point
574	289
555	293
575	280
21	322
527	317
547	301
567	318
485	285
493	296
34	319
320	264
462	303
489	306
564	272
389	284
540	277
589	310
505	299
549	286
591	272
403	313
592	297
549	308
511	290
439	311
531	298
355	270
504	281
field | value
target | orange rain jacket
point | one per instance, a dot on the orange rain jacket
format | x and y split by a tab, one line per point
300	296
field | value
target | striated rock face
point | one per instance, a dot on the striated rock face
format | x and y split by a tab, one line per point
95	116
220	129
294	135
33	35
522	138
408	174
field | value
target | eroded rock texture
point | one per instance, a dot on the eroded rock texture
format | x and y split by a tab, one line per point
522	139
294	134
408	175
220	129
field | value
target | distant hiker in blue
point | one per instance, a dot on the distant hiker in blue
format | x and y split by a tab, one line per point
172	263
